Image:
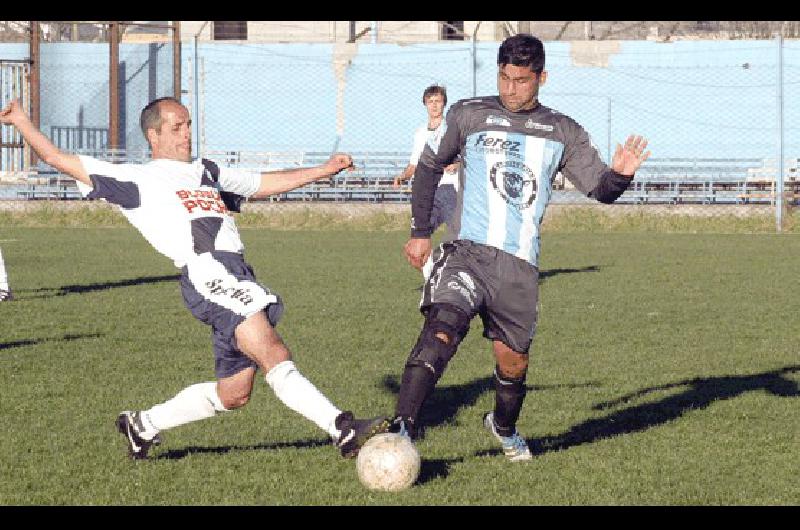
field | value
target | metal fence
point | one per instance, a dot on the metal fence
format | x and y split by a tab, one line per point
720	115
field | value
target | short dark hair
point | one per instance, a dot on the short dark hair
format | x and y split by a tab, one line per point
151	114
433	90
522	50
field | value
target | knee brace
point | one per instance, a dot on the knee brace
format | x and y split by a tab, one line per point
433	352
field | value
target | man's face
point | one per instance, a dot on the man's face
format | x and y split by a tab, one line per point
435	105
518	86
174	140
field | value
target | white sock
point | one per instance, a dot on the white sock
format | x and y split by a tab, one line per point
297	393
196	402
3	275
426	269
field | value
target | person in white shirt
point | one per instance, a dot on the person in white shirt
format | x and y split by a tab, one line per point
183	209
5	291
444	203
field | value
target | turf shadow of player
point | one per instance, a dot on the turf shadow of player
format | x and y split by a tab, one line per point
545	274
701	393
78	289
177	454
33	342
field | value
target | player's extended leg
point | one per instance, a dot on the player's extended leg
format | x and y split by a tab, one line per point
193	403
509	383
444	328
259	341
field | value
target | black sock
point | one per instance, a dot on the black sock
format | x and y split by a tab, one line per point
417	384
509	395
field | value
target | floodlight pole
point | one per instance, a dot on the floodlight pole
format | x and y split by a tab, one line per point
35	110
475	61
779	165
113	86
176	59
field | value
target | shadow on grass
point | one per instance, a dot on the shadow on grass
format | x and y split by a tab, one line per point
436	468
32	342
177	454
443	404
544	274
79	289
700	393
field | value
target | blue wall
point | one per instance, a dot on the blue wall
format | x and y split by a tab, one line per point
690	98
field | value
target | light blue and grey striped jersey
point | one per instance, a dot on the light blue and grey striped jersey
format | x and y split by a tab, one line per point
510	160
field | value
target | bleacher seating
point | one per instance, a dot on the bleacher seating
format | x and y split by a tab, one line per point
50	185
370	181
658	181
708	181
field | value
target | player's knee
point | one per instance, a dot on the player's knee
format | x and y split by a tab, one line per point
445	326
235	401
513	368
266	352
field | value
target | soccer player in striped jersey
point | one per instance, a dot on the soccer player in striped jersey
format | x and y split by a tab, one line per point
511	147
183	208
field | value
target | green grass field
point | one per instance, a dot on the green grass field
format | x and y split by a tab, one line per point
665	372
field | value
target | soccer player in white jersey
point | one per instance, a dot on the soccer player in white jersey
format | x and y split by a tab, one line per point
444	201
5	291
511	148
183	208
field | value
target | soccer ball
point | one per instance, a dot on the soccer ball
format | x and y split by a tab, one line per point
388	462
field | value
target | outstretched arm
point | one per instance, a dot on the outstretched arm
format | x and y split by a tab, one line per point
50	154
407	173
274	182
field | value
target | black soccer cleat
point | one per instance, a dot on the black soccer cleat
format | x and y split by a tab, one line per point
355	433
6	295
127	423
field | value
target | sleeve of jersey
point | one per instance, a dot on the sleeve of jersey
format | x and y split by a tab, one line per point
244	182
610	187
429	173
237	185
581	163
426	179
109	182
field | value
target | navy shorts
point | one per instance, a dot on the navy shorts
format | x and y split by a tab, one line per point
444	204
220	290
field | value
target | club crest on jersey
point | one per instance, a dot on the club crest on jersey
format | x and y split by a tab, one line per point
498	120
515	182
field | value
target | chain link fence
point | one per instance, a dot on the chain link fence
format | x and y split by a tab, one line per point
720	115
75	94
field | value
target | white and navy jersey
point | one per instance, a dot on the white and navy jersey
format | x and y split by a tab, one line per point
181	208
509	163
431	137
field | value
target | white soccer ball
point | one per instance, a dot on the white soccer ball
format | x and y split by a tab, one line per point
388	462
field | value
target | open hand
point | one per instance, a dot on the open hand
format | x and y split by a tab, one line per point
627	159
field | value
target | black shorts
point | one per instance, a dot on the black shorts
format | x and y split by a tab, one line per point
483	280
220	290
